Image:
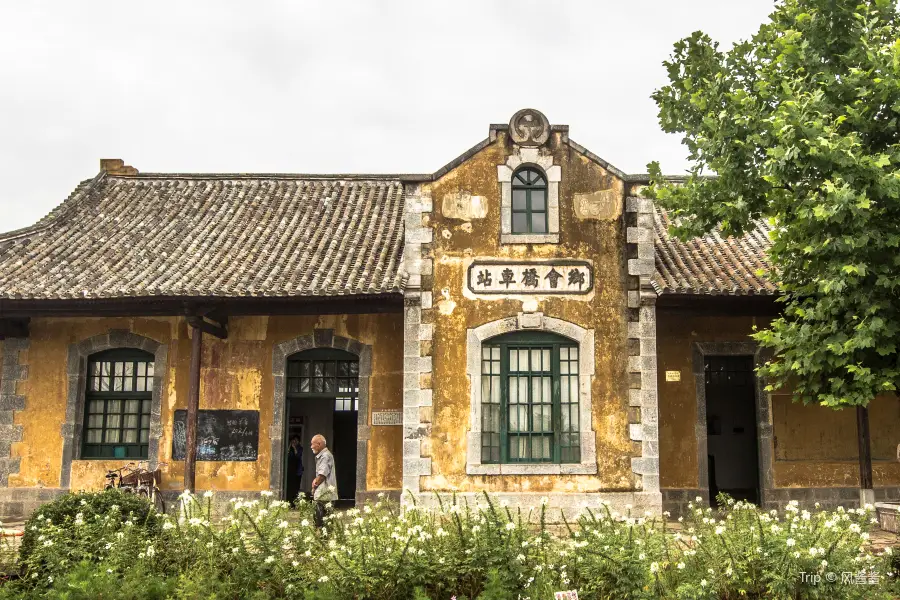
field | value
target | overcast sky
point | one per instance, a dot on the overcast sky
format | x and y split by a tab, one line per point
326	87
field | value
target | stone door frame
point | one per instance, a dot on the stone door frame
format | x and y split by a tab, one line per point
320	338
764	429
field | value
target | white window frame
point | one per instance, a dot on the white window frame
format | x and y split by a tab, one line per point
532	322
553	174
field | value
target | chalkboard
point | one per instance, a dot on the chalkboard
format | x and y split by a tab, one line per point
221	435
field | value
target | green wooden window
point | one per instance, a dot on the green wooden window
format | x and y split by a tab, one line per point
325	373
529	201
529	399
117	405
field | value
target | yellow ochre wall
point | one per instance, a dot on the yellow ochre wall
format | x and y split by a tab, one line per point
813	446
236	373
600	241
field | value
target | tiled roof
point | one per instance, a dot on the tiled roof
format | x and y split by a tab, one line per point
712	265
211	235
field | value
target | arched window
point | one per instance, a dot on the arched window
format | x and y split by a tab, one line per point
117	404
529	201
529	399
325	373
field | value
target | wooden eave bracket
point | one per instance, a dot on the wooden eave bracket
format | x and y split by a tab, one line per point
216	328
208	319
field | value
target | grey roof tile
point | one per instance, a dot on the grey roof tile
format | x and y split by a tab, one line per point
712	265
229	236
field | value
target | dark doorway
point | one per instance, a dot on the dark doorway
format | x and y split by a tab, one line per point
322	387
731	427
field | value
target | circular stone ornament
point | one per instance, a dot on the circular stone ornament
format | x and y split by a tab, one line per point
529	127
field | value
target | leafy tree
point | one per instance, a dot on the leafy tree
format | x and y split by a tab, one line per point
800	126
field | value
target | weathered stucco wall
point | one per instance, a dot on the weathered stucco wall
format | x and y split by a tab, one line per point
455	240
813	446
236	373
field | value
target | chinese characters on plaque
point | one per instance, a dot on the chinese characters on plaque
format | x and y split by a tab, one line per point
532	278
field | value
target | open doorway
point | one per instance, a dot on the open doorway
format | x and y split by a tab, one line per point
322	388
733	458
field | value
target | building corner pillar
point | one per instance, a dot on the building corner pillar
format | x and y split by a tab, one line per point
418	331
642	359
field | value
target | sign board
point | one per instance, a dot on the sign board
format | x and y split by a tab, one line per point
569	595
533	278
221	435
673	375
387	417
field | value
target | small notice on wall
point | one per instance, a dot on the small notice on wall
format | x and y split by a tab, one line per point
673	375
387	417
531	278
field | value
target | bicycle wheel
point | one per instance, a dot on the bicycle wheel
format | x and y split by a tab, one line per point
157	501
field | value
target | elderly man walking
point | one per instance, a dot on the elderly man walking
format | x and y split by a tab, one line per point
324	486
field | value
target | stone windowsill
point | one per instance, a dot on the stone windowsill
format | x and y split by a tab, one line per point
522	238
532	469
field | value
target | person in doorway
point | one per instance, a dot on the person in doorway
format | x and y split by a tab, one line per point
295	468
324	486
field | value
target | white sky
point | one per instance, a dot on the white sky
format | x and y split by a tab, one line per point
326	87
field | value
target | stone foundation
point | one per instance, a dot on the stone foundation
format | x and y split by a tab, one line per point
676	500
558	504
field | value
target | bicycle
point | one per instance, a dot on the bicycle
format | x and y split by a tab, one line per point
138	480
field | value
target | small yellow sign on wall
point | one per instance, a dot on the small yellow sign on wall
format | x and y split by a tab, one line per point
673	375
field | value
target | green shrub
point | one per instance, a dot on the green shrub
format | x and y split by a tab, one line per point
471	550
78	525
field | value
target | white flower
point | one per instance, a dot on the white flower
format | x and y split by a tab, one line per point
323	578
49	543
270	559
510	526
283	525
545	500
680	566
168	525
790	542
720	530
150	551
703	583
266	493
654	567
208	494
304	523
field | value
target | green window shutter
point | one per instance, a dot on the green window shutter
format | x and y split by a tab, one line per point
117	405
530	399
529	201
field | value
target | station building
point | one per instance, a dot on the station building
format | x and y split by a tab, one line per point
518	322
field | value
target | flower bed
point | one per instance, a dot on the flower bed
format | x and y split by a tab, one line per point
487	551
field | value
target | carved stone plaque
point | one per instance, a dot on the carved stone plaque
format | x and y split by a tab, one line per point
604	205
464	206
554	277
387	417
529	127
